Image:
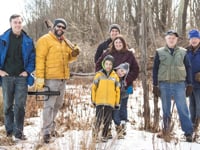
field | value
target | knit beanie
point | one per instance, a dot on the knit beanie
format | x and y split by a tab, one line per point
124	66
115	26
193	34
60	20
108	57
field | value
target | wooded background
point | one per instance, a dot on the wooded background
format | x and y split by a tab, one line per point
89	20
143	24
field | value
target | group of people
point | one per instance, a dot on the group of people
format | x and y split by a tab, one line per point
18	59
116	68
176	75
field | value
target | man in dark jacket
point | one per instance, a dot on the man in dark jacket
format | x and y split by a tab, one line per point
194	56
17	61
114	30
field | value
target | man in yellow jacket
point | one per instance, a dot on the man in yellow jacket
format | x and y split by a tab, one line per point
53	56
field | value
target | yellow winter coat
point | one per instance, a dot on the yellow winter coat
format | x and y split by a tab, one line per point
106	90
52	58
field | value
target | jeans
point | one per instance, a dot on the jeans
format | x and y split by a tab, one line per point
14	94
121	114
177	91
195	104
52	105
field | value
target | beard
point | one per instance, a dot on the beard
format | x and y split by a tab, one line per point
58	33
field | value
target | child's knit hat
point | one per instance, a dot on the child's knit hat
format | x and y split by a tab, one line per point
124	66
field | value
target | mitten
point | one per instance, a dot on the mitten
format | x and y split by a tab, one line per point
39	84
156	91
197	76
75	51
94	105
117	107
189	89
129	90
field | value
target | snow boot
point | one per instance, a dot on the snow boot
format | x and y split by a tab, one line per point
104	139
196	124
189	138
56	134
109	135
123	124
46	138
119	130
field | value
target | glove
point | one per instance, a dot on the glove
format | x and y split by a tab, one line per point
39	84
75	51
94	105
129	90
197	76
189	89
117	107
156	91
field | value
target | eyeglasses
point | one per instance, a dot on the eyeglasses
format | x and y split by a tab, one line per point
59	26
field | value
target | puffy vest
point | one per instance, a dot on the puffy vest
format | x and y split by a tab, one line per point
171	68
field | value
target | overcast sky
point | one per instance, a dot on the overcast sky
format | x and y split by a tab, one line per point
7	8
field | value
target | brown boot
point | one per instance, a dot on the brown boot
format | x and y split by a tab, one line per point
196	124
109	135
119	130
165	134
123	124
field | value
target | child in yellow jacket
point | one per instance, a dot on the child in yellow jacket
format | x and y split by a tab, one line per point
105	95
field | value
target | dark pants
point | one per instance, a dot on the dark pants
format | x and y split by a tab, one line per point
195	105
103	117
14	95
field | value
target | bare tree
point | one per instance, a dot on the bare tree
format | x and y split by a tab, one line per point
98	17
182	17
194	13
144	58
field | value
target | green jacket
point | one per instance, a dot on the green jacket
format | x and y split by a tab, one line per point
171	68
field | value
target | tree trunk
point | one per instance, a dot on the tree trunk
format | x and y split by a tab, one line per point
98	18
144	61
156	115
182	17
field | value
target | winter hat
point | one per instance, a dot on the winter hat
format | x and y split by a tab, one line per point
108	57
124	66
115	26
60	20
193	34
170	32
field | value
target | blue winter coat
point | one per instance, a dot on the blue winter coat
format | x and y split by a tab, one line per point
28	53
195	61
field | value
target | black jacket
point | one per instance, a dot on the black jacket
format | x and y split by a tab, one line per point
103	46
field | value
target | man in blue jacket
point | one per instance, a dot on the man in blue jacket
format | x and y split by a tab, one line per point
171	76
17	61
194	56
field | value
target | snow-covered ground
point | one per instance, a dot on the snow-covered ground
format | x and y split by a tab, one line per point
82	140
